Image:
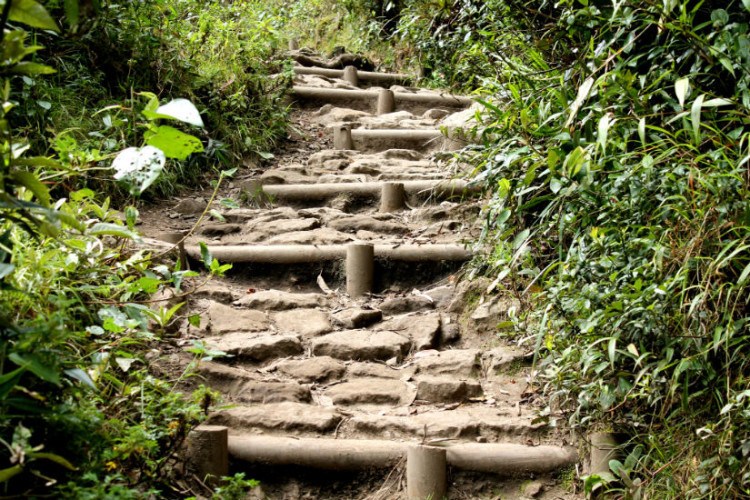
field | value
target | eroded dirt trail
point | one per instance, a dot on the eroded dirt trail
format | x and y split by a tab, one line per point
414	361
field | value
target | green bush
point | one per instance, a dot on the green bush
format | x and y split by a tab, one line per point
616	153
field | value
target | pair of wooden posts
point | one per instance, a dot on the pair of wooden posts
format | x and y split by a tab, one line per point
426	466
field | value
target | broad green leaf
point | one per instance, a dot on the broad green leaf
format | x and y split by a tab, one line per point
555	185
194	320
33	364
216	215
80	375
632	349
611	350
642	131
33	184
173	143
32	69
109	229
32	14
205	254
746	3
574	162
695	118
72	11
520	238
681	89
139	167
583	93
9	380
181	110
603	131
715	103
6	269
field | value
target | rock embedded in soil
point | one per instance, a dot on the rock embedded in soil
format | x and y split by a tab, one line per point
214	291
275	300
190	206
282	226
377	370
225	319
306	322
353	318
261	391
288	417
423	329
447	390
256	349
317	369
407	304
456	362
319	236
376	391
361	345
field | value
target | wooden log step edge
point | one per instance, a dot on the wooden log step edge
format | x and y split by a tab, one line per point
353	454
327	190
300	254
434	99
369	76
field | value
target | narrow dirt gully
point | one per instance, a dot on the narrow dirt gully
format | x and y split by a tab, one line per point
360	365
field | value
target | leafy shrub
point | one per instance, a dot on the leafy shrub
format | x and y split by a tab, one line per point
616	152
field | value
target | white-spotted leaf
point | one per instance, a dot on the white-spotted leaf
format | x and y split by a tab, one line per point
139	167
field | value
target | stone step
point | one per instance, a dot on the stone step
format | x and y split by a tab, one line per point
367	100
364	76
353	418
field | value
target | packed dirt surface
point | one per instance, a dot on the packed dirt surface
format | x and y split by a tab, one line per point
416	360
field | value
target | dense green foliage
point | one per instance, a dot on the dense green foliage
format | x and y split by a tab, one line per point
616	148
219	56
109	106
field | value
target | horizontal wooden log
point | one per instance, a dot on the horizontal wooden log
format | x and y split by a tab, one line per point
353	454
329	190
300	254
370	97
368	76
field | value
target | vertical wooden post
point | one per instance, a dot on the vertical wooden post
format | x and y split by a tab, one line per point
603	449
342	137
392	197
386	101
208	451
360	268
351	76
294	44
426	474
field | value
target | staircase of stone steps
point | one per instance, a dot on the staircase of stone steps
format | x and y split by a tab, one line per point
352	350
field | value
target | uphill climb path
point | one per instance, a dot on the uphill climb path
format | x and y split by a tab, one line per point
359	364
